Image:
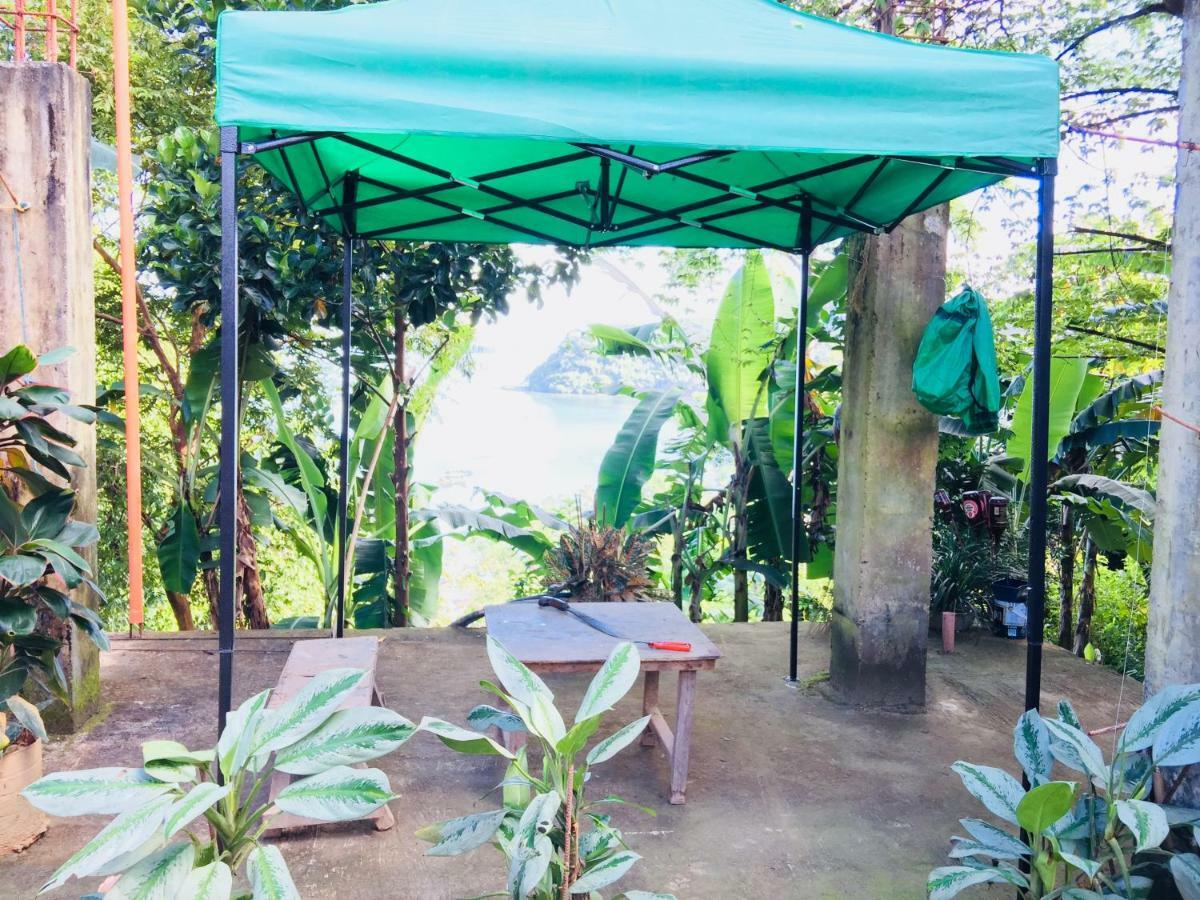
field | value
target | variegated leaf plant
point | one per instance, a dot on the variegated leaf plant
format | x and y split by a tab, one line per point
553	839
1099	839
150	843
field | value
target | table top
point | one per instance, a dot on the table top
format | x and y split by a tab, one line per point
547	639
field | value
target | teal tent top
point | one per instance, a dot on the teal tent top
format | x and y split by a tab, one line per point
690	123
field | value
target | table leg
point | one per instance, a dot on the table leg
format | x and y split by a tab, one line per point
683	735
649	705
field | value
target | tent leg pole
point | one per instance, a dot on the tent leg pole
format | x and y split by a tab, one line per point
798	443
344	444
1038	451
228	463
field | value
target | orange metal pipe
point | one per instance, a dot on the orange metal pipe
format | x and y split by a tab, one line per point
19	32
52	31
129	311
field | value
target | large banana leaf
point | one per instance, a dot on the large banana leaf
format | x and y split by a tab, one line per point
629	462
769	506
1106	406
1066	381
741	348
614	341
179	551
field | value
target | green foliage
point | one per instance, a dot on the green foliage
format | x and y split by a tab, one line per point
1098	838
149	845
550	834
38	538
629	462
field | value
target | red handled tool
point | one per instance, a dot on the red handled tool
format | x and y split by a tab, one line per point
564	606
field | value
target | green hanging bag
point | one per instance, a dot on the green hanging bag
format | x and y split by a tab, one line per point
955	370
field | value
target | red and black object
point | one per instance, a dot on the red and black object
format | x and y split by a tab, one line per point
560	604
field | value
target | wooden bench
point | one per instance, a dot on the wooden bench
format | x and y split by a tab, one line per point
307	659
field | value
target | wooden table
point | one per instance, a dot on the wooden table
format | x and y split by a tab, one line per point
549	640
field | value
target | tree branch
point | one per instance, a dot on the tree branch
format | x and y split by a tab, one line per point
1133	115
1147	10
1120	91
1123	235
1132	342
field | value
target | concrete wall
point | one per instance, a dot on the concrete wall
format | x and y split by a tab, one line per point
46	296
886	468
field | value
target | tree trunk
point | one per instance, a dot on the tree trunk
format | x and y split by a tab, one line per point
250	592
741	582
677	538
772	603
1173	630
1087	597
1066	576
182	610
696	584
400	479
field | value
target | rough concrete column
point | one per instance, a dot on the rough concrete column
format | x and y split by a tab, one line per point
46	296
1173	628
886	469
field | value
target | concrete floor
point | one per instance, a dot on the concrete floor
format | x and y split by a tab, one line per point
790	795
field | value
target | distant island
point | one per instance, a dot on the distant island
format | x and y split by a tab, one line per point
576	368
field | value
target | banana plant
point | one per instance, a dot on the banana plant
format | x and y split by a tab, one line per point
151	844
1091	840
556	843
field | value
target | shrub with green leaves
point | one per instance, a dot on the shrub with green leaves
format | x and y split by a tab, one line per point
1099	839
540	828
149	842
38	538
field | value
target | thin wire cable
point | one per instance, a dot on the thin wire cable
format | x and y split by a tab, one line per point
16	230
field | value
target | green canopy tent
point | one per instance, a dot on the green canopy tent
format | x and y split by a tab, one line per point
681	123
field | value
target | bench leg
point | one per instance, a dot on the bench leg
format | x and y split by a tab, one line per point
683	735
649	705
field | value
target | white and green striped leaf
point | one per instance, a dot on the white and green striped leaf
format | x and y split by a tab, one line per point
617	741
128	831
236	744
1185	868
644	895
516	677
211	882
173	751
1067	714
193	804
1146	821
269	875
1031	746
529	865
612	682
950	881
545	720
989	834
461	739
963	848
604	872
994	788
1178	740
94	792
347	737
1088	866
1144	724
27	714
315	702
131	858
484	716
336	795
157	877
462	834
1076	750
538	817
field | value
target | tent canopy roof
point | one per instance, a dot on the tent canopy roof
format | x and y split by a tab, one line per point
685	123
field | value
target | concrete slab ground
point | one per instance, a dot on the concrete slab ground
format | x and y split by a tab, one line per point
790	796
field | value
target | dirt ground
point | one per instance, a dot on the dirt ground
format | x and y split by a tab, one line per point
790	795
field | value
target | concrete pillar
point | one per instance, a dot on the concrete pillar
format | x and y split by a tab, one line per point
886	468
46	296
1173	628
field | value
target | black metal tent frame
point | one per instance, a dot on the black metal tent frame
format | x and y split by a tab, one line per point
817	221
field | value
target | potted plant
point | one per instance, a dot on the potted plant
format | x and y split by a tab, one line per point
556	843
149	847
1096	833
39	564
